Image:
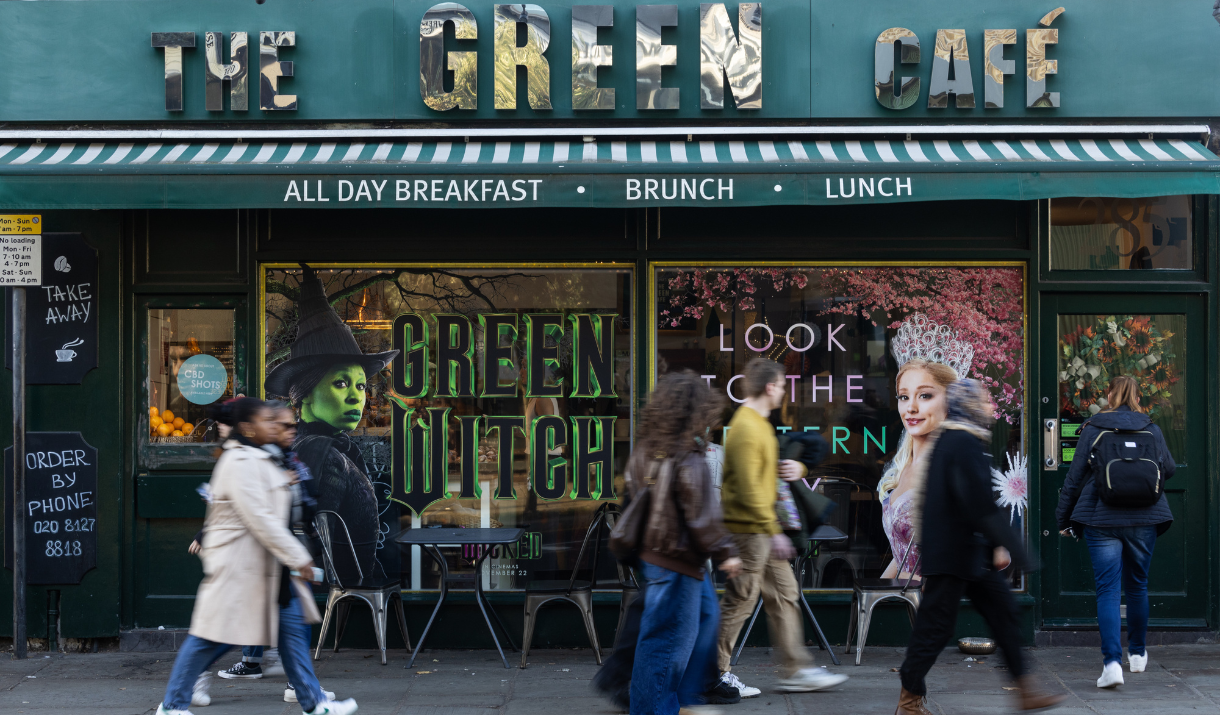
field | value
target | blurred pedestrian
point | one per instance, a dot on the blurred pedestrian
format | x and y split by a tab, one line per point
752	469
967	541
253	590
673	665
255	663
1121	513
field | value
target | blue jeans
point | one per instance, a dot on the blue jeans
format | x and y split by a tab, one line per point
675	655
197	655
252	654
1121	554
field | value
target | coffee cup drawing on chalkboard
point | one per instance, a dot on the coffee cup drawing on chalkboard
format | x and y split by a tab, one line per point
66	355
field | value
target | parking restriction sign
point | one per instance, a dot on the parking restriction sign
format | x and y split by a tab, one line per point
20	250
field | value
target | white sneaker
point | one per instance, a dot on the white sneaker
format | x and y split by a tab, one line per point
334	707
808	680
272	665
1111	676
199	696
290	694
162	710
733	681
1138	662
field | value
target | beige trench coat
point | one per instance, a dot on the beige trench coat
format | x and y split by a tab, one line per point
246	539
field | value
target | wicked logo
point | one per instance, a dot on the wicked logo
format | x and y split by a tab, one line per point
421	438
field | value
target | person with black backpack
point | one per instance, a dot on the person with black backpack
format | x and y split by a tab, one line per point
1115	494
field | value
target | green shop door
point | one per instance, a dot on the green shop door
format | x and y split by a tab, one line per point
1161	341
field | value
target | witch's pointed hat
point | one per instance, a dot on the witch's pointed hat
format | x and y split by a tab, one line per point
323	339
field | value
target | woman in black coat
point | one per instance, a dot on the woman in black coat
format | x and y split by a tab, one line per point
966	541
1120	538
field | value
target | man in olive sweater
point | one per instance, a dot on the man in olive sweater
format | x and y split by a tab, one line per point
751	472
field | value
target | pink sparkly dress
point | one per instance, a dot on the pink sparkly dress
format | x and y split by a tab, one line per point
896	520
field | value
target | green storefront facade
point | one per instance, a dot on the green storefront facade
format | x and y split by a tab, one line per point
795	179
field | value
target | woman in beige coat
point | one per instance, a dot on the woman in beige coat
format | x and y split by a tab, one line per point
248	553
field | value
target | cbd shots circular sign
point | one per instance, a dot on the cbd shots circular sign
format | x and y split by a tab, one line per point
202	379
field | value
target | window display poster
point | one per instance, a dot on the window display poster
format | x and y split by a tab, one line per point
844	335
456	397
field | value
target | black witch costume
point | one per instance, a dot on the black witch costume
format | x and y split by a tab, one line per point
343	488
323	343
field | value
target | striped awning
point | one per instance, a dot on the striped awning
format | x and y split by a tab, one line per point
443	173
1075	154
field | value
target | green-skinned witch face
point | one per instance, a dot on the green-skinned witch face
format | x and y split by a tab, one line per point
338	400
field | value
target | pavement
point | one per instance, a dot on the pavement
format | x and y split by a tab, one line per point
1179	679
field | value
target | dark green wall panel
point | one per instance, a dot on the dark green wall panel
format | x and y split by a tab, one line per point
359	60
96	409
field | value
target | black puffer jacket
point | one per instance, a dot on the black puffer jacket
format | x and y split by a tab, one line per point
1079	504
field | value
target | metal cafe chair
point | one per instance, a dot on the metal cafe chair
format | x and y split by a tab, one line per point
574	590
868	592
376	591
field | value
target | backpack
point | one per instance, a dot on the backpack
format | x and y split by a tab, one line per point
1127	467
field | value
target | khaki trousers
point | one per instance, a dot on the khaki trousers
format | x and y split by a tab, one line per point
774	580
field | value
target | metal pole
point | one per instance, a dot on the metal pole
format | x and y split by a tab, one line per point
18	325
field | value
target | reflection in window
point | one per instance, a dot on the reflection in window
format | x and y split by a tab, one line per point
1089	234
833	330
190	365
1095	348
470	303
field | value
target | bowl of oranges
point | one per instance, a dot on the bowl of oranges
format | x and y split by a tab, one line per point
165	426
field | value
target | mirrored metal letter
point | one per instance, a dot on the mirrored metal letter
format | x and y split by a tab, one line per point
883	63
236	72
951	49
434	61
509	56
587	56
651	56
739	57
270	71
1049	17
1037	67
995	66
173	42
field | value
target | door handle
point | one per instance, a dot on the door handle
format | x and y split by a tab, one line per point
1050	444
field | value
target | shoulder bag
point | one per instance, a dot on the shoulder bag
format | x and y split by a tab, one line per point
627	537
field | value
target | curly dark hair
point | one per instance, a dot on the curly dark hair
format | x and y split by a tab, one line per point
680	409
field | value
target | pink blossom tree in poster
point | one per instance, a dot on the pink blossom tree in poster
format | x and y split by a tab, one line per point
985	306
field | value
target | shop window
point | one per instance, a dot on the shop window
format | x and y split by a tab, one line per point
190	366
1095	233
1095	348
839	333
468	334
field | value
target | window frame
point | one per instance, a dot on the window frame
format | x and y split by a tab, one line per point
1199	236
635	401
655	268
154	456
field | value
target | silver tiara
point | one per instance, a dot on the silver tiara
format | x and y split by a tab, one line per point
919	338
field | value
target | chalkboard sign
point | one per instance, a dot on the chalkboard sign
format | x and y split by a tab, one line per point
61	314
60	507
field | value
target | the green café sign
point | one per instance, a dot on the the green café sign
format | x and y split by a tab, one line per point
413	60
